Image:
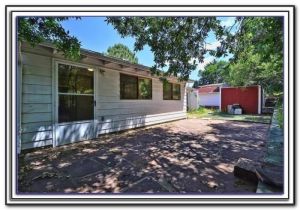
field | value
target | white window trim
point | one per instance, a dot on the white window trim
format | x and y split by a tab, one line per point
56	93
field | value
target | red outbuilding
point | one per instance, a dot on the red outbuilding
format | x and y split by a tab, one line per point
249	98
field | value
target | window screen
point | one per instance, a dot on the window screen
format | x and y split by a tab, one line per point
171	91
75	93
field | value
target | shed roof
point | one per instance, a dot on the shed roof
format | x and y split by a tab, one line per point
211	88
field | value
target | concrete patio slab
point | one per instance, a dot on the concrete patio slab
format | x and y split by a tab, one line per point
185	156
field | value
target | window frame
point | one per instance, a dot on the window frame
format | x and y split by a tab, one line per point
172	91
57	93
137	88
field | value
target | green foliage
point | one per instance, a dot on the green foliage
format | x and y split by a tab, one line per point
258	53
200	111
35	30
280	115
179	42
279	107
196	84
176	41
145	88
214	72
123	52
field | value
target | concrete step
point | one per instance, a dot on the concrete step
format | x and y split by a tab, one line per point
246	169
267	110
265	188
271	175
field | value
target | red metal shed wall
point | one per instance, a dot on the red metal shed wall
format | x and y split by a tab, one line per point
247	97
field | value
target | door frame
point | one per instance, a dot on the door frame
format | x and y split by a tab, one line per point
55	63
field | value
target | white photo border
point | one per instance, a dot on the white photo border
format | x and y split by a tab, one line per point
12	11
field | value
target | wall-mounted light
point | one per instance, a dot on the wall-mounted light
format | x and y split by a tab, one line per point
90	69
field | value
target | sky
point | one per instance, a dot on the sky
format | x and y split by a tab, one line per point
96	35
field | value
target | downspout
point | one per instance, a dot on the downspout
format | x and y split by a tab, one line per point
259	100
220	99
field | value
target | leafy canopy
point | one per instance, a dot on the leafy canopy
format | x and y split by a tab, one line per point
214	72
176	42
123	52
258	53
39	29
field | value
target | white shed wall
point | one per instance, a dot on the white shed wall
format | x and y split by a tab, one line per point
209	99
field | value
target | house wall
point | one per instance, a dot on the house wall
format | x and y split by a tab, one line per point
247	97
39	125
209	99
114	114
36	105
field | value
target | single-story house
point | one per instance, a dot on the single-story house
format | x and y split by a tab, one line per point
62	101
209	95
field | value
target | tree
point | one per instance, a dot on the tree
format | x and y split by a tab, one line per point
196	84
123	52
258	53
214	72
39	29
176	42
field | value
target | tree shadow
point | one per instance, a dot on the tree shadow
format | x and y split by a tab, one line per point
174	157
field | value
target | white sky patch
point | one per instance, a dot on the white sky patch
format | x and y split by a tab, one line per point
213	45
207	60
229	21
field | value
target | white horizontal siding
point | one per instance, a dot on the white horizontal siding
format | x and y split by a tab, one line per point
35	144
135	122
36	80
113	114
36	126
30	69
36	136
36	98
36	109
37	89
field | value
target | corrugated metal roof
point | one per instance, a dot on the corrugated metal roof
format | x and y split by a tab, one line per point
211	88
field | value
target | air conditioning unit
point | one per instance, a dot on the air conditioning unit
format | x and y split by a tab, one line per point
234	109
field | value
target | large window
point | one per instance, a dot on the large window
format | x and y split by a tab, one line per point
133	87
171	91
75	93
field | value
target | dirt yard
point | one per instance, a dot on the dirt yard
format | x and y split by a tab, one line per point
186	156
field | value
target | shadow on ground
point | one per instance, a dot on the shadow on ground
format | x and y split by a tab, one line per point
186	156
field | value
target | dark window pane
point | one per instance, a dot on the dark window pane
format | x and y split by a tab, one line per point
176	91
167	91
75	108
145	88
73	79
128	87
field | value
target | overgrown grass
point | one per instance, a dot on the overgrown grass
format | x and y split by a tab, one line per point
216	114
201	111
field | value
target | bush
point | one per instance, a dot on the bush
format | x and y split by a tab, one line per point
202	110
280	115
